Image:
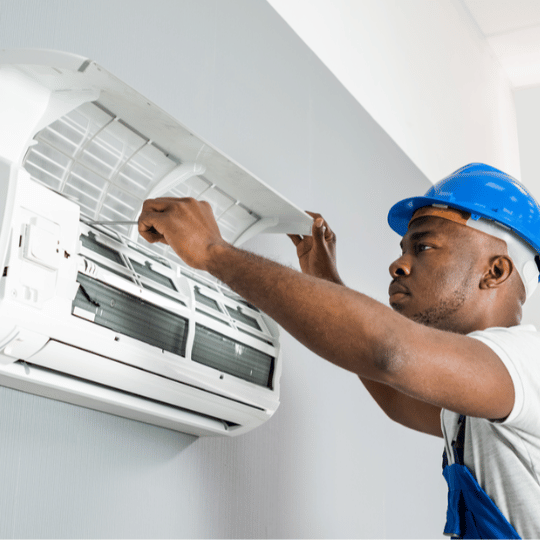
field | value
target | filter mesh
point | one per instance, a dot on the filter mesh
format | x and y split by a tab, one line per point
92	156
110	169
146	270
205	300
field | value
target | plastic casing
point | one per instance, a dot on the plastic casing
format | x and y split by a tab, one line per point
82	145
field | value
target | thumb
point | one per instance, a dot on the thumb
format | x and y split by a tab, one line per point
318	230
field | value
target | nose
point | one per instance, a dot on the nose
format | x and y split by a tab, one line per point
400	267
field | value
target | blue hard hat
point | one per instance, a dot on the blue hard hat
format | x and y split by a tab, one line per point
483	191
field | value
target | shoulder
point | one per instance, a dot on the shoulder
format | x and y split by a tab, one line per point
517	344
519	332
518	347
458	372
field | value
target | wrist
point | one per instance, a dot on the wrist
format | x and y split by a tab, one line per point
218	259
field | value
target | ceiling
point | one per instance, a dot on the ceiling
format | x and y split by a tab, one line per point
512	31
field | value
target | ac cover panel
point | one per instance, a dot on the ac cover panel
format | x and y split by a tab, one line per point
94	315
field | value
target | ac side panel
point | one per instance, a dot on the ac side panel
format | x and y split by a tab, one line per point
7	201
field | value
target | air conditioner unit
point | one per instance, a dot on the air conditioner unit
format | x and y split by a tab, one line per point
92	314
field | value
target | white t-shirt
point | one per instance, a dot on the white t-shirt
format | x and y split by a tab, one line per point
504	457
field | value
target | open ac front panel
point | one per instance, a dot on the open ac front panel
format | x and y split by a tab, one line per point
93	315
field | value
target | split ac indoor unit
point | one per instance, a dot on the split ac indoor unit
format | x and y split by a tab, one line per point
92	314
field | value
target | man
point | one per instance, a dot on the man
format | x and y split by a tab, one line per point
449	358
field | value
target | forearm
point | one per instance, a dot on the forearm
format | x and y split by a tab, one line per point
345	327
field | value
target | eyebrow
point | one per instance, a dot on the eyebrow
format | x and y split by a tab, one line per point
417	236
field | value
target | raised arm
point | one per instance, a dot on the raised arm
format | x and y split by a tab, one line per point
345	327
317	257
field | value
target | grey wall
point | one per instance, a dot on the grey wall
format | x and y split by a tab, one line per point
329	464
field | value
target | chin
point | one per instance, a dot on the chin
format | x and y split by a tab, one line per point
399	308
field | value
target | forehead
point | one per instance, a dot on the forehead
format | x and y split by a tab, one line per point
436	227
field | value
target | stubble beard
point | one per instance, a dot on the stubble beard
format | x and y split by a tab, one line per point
441	316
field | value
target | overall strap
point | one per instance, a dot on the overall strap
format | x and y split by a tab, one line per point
458	444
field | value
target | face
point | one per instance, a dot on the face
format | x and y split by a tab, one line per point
435	280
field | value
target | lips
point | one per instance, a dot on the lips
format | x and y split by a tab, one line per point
397	288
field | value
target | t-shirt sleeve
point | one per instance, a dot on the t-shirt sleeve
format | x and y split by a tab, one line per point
519	349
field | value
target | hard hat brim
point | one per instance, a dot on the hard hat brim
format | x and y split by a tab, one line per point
402	212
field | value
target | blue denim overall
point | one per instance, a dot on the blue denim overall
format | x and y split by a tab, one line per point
471	513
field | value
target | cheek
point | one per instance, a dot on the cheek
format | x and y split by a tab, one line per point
447	280
438	278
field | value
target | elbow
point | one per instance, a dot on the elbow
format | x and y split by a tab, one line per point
386	361
383	361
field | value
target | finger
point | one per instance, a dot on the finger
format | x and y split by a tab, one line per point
318	229
149	227
161	204
329	233
152	237
154	205
296	238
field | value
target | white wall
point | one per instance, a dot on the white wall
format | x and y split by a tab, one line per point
422	70
528	124
329	464
426	74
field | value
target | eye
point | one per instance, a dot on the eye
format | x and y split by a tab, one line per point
422	247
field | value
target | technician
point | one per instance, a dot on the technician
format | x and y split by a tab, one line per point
449	359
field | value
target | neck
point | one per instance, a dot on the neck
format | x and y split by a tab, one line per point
487	315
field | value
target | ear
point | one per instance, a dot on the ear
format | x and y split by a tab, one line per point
500	269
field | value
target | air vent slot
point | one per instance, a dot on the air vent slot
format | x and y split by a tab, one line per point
226	424
229	356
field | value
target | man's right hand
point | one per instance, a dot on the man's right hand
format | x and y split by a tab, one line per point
317	253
